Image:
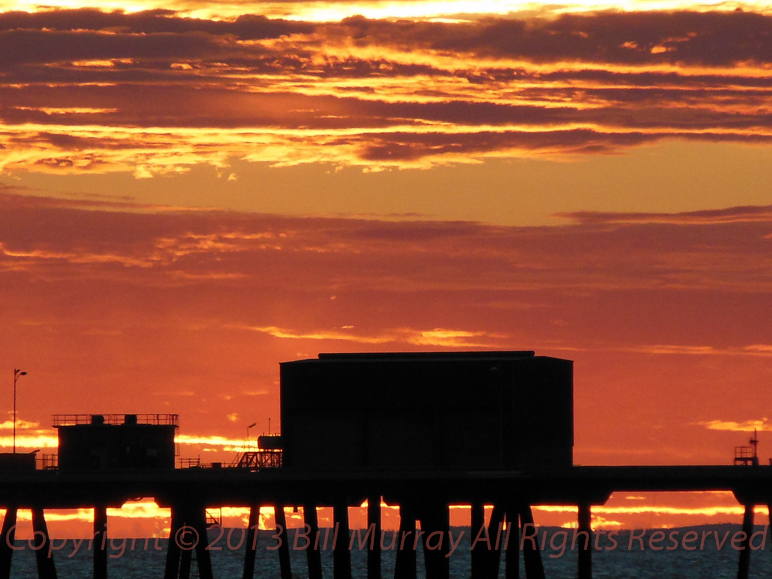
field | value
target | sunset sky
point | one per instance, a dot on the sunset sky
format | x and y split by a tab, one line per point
192	192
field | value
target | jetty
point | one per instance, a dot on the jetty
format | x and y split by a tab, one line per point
419	432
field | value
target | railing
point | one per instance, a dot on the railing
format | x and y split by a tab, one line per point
745	455
743	452
212	519
190	462
115	419
255	460
49	461
249	460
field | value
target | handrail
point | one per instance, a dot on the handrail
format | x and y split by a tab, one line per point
115	419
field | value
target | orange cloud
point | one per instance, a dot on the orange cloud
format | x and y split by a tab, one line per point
729	215
372	93
745	426
435	337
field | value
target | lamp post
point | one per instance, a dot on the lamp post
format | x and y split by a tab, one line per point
16	374
248	427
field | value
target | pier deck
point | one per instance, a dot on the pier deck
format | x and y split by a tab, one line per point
241	487
422	496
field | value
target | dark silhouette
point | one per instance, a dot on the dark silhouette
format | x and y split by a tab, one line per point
418	431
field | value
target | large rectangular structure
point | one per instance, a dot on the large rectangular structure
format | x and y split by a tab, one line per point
427	411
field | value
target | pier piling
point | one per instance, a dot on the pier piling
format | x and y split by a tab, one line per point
188	533
512	567
203	556
478	545
284	555
41	539
743	567
9	536
173	551
100	542
374	549
534	569
496	534
435	527
186	561
341	554
251	546
585	541
405	566
313	551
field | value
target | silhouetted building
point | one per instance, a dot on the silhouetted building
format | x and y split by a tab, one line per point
269	442
116	441
427	411
17	461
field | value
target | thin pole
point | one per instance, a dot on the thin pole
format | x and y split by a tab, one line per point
16	374
15	378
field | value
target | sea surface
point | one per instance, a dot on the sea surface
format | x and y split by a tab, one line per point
707	553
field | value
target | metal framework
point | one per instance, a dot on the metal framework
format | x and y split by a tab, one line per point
257	459
116	419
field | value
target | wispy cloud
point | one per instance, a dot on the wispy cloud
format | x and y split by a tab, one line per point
317	335
442	337
710	250
752	214
20	424
27	441
686	350
745	426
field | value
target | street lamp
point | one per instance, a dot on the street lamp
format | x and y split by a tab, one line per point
248	427
16	374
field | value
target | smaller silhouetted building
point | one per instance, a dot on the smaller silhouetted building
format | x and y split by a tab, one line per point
17	461
116	441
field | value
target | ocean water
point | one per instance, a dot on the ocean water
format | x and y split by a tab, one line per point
670	555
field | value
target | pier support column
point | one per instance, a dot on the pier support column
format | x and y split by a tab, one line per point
6	541
172	569
186	560
374	524
496	535
769	520
512	570
341	556
313	551
534	569
100	542
405	566
45	560
745	550
284	556
203	556
478	544
584	540
188	532
435	527
251	546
